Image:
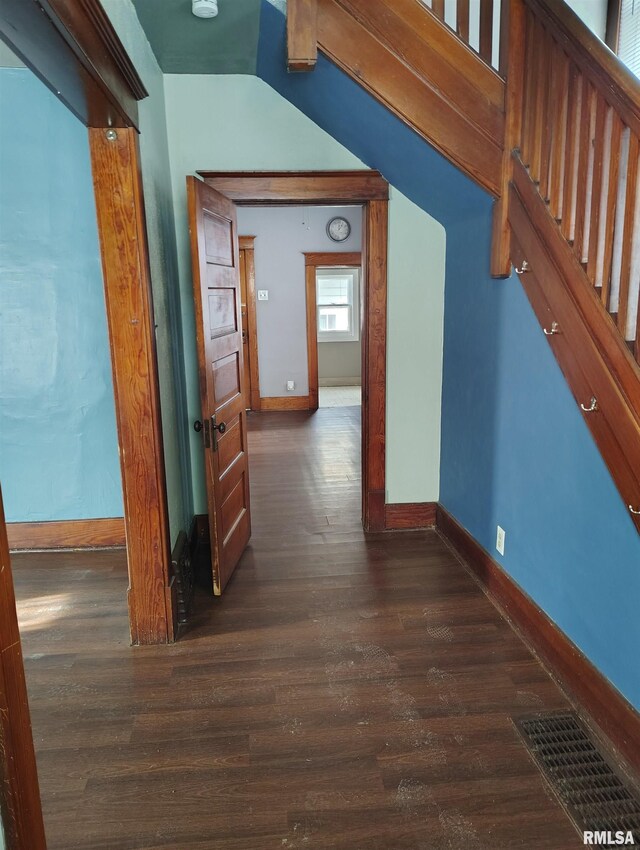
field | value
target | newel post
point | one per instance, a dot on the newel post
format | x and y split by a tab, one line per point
302	35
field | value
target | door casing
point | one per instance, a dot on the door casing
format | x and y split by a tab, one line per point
331	188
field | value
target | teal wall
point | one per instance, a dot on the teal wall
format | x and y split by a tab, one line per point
58	442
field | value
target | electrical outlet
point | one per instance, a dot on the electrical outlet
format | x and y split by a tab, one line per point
263	295
291	385
500	540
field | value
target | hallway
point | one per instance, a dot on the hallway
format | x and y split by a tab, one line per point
347	692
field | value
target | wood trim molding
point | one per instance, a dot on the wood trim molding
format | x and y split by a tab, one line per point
67	534
261	188
374	363
286	402
333	259
121	228
19	790
247	244
586	687
313	261
75	50
406	515
312	334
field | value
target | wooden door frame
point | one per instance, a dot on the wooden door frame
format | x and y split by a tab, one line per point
247	244
74	49
331	188
312	262
19	789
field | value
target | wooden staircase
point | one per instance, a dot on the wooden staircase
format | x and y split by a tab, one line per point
554	135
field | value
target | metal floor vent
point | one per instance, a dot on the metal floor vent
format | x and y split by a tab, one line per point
591	792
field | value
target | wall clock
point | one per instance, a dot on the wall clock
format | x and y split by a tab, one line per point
338	229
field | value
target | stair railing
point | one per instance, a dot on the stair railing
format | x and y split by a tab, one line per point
578	135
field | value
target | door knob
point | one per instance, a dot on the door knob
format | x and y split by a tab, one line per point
197	426
221	428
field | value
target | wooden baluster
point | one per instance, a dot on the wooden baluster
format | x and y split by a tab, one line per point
608	211
571	154
559	109
584	158
546	123
486	29
530	70
539	87
628	233
437	7
462	20
592	234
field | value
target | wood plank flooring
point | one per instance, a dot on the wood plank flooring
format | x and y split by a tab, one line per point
347	692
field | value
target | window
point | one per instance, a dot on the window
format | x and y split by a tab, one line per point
629	34
338	305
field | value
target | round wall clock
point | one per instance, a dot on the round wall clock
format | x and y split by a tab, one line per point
338	229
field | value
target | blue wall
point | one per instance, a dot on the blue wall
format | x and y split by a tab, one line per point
58	443
515	449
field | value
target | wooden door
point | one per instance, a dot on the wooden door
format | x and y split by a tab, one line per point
216	291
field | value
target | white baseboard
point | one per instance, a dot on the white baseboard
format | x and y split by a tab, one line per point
339	382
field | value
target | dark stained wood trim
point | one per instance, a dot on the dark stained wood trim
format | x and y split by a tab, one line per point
261	188
247	244
374	363
67	534
19	790
72	46
369	189
405	515
593	695
333	259
312	334
121	228
286	402
312	262
302	40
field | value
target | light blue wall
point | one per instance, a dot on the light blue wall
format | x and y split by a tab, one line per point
58	443
515	449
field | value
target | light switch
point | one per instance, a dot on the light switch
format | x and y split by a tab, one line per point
263	295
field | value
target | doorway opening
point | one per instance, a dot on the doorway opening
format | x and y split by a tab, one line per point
334	295
213	216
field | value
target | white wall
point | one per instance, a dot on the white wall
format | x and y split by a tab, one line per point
240	123
283	234
593	13
339	363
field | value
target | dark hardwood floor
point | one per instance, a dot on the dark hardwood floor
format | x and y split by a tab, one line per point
347	692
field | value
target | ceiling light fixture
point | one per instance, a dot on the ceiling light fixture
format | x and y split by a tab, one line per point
204	8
